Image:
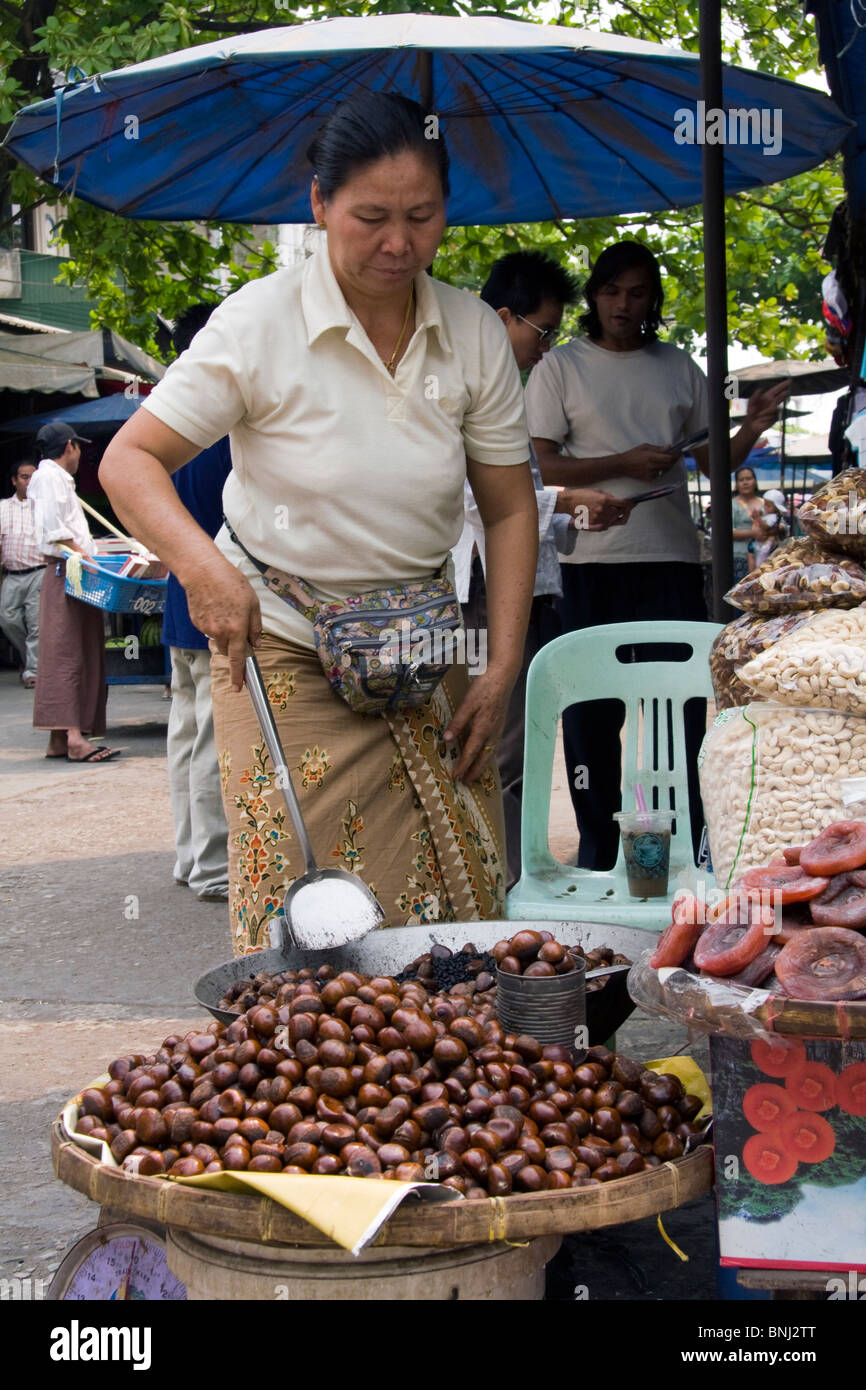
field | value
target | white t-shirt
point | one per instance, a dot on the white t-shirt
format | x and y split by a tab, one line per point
58	514
593	403
341	474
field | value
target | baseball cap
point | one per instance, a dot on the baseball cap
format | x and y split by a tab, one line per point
55	435
777	498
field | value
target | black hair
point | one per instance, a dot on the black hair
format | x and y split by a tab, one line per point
745	468
625	255
188	324
522	280
16	467
372	125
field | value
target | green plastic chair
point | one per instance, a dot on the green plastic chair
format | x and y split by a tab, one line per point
583	666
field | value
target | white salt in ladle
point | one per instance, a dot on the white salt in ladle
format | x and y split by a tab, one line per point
325	908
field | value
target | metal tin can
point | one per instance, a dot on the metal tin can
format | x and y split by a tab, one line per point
551	1009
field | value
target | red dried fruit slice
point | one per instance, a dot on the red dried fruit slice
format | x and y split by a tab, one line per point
836	850
791	883
851	1089
792	853
813	1087
687	908
778	1056
768	1160
752	975
809	1137
742	906
765	1106
725	948
676	943
796	920
826	963
842	903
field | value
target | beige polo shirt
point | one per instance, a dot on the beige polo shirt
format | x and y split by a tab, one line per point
341	474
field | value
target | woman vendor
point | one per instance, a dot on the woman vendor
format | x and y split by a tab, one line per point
358	393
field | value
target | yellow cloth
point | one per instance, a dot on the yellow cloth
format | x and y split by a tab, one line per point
691	1076
349	1210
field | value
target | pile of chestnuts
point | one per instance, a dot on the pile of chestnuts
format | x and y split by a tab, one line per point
341	1073
456	973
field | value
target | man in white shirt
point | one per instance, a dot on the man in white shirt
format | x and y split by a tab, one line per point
591	406
529	292
70	685
23	567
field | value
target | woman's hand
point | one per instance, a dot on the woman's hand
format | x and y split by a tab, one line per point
479	719
223	604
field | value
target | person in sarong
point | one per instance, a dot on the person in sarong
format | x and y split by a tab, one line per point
70	682
358	393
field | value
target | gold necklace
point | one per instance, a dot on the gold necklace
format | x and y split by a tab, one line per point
390	365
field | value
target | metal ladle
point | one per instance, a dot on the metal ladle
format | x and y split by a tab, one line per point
325	908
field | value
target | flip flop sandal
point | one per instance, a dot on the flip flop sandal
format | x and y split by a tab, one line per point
93	755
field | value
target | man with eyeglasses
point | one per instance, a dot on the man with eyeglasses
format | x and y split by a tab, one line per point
591	406
529	291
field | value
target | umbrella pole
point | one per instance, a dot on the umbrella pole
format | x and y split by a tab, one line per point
715	292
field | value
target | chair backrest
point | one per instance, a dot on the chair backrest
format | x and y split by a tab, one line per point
585	665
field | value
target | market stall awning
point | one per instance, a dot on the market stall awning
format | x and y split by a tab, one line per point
69	361
542	121
30	371
102	416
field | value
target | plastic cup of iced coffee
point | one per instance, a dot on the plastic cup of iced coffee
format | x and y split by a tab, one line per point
646	847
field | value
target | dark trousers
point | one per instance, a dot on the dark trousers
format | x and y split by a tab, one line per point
592	596
544	625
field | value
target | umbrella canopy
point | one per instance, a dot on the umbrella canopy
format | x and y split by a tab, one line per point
807	378
542	121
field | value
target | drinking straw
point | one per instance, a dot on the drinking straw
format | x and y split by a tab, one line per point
641	803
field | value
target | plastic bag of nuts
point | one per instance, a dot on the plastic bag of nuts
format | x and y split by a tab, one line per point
836	513
770	778
800	574
822	663
742	639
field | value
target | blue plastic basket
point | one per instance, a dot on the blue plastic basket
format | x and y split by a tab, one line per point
103	587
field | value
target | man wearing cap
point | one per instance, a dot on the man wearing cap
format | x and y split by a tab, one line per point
70	682
23	567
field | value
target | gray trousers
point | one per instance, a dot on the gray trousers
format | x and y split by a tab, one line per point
200	830
544	625
19	614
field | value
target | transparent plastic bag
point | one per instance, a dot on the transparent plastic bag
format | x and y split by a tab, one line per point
821	663
702	1004
740	641
770	778
800	574
836	513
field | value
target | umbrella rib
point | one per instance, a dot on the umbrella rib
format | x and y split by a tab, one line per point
214	215
604	144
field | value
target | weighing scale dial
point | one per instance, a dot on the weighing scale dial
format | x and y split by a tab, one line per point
115	1263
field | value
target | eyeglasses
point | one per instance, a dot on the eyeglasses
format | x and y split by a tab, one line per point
545	335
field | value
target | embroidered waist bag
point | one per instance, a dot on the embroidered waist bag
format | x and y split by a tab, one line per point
383	649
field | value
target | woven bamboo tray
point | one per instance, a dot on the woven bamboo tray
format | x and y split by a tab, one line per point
433	1225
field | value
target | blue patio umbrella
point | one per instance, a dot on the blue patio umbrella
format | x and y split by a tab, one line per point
542	121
